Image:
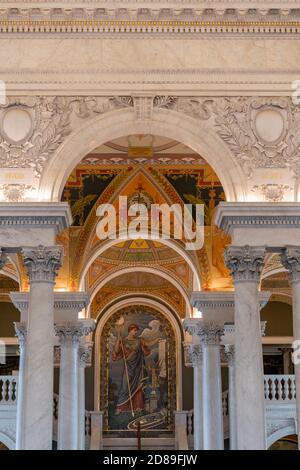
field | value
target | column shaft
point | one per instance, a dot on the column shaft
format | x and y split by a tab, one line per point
70	413
196	357
42	264
213	434
246	264
291	261
21	333
68	405
81	411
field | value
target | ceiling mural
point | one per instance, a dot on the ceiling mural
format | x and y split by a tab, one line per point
146	169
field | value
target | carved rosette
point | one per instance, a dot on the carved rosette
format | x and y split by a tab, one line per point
291	261
42	263
210	334
85	355
245	262
21	333
229	354
73	332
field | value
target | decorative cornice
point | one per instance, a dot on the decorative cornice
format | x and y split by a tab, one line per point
245	262
212	299
42	263
232	215
136	18
70	301
39	214
62	300
291	261
74	331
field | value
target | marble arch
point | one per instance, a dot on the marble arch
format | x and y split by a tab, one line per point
139	300
144	269
6	440
172	124
285	430
170	243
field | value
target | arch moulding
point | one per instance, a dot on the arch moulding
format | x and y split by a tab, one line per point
143	269
198	135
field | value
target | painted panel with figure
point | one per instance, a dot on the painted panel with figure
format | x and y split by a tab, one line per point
138	373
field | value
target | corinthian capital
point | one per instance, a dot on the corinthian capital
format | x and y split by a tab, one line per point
229	351
192	354
73	331
210	334
196	354
42	262
85	355
3	258
245	262
290	259
21	333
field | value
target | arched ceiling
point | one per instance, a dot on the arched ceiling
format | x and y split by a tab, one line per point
141	250
162	171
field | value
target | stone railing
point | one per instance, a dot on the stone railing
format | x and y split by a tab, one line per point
280	388
8	389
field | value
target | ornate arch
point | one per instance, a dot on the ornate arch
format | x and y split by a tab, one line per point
169	123
200	269
279	432
6	437
145	269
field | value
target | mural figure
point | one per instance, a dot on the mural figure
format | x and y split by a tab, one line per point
141	374
132	351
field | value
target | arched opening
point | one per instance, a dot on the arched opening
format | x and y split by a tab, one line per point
286	442
117	124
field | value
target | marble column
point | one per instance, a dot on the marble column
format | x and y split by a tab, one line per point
196	357
21	330
85	360
246	264
42	264
70	335
229	352
213	431
291	261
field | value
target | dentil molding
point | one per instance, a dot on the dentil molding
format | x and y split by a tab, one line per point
150	18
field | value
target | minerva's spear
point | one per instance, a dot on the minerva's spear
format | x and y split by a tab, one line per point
119	325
